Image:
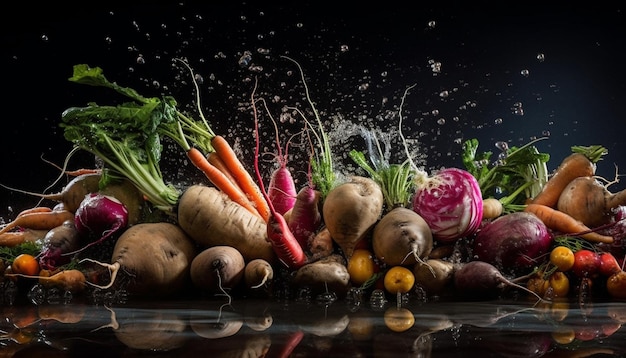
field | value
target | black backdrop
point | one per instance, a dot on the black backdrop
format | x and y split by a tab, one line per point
359	59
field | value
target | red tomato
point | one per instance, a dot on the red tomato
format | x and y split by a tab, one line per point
608	264
586	263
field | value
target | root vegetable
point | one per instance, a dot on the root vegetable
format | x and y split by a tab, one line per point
328	274
69	280
73	193
217	269
16	238
258	273
588	201
581	163
402	237
479	280
100	217
351	210
210	218
321	245
44	220
564	223
155	256
434	275
305	217
513	242
57	244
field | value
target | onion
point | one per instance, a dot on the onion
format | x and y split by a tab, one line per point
100	216
451	203
513	241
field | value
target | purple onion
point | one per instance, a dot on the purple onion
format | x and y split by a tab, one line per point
451	203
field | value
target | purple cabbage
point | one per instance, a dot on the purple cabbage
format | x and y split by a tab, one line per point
451	203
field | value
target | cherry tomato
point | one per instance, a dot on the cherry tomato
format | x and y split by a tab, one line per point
562	257
608	264
25	264
399	279
586	263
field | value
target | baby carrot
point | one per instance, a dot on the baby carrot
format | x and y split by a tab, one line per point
241	175
559	221
39	220
16	238
219	179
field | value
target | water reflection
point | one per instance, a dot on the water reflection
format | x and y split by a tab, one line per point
272	328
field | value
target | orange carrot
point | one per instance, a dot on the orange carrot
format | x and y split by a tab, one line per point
217	162
39	220
564	223
36	209
16	238
243	177
219	179
581	163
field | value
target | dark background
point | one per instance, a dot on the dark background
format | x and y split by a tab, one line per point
359	59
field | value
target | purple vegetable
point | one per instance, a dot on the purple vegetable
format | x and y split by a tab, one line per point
512	241
451	203
99	217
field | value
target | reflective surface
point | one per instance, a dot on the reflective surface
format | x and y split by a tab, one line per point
273	328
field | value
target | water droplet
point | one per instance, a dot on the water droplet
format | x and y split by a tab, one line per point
263	51
245	59
541	57
299	25
525	73
198	78
441	121
432	24
108	40
444	94
434	112
498	121
363	87
44	37
344	48
141	60
503	146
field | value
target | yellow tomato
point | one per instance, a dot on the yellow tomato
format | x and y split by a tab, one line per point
399	279
25	264
562	257
398	319
559	282
361	266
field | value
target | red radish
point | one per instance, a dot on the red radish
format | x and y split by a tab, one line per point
451	203
285	245
282	188
305	217
586	264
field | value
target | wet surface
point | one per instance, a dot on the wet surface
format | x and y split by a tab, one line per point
274	328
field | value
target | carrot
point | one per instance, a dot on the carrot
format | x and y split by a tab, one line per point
559	221
16	238
39	220
581	163
69	280
243	178
219	179
36	209
217	162
285	245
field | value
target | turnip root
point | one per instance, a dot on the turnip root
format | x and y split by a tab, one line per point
327	274
217	269
479	280
155	256
350	211
258	273
402	237
588	201
321	245
210	218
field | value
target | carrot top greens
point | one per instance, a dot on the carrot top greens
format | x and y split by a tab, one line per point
127	137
